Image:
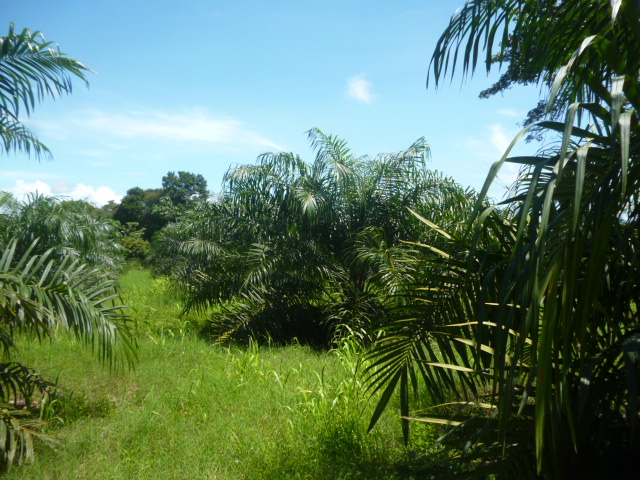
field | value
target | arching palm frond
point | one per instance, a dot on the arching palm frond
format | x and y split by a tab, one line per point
548	307
39	296
52	224
427	347
17	138
30	70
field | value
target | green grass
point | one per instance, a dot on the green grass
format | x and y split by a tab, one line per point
191	410
157	311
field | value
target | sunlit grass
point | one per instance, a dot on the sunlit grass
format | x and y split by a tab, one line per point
155	307
194	411
191	410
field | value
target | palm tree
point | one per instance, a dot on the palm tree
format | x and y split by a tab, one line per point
65	227
56	287
546	323
320	239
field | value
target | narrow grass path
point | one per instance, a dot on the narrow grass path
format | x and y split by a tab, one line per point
193	411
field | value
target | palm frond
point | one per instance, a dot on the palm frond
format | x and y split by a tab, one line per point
31	69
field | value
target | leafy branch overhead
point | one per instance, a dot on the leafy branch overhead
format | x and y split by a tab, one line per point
535	312
31	69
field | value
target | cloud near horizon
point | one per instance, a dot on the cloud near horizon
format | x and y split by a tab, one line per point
360	88
501	140
98	196
510	112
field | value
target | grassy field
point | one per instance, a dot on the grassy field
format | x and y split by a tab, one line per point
191	410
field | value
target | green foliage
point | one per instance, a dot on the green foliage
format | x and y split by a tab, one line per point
136	248
184	188
152	209
138	206
153	303
251	413
534	312
40	295
30	70
289	241
107	211
42	223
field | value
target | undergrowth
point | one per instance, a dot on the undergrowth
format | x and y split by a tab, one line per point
192	410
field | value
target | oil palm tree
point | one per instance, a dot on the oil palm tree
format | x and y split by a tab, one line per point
546	323
64	227
42	291
318	234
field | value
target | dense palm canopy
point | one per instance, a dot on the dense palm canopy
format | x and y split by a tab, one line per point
53	258
539	303
41	223
300	247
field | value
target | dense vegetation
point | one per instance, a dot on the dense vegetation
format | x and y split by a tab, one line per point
539	324
190	410
55	262
515	325
310	251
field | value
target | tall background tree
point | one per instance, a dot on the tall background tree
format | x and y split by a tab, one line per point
43	291
138	206
152	209
185	187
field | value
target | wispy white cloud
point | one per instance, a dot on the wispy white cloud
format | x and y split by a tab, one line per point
510	112
360	88
499	138
98	196
98	164
492	144
58	130
93	153
490	149
196	125
23	174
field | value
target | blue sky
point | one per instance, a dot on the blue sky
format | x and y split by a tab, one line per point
201	85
